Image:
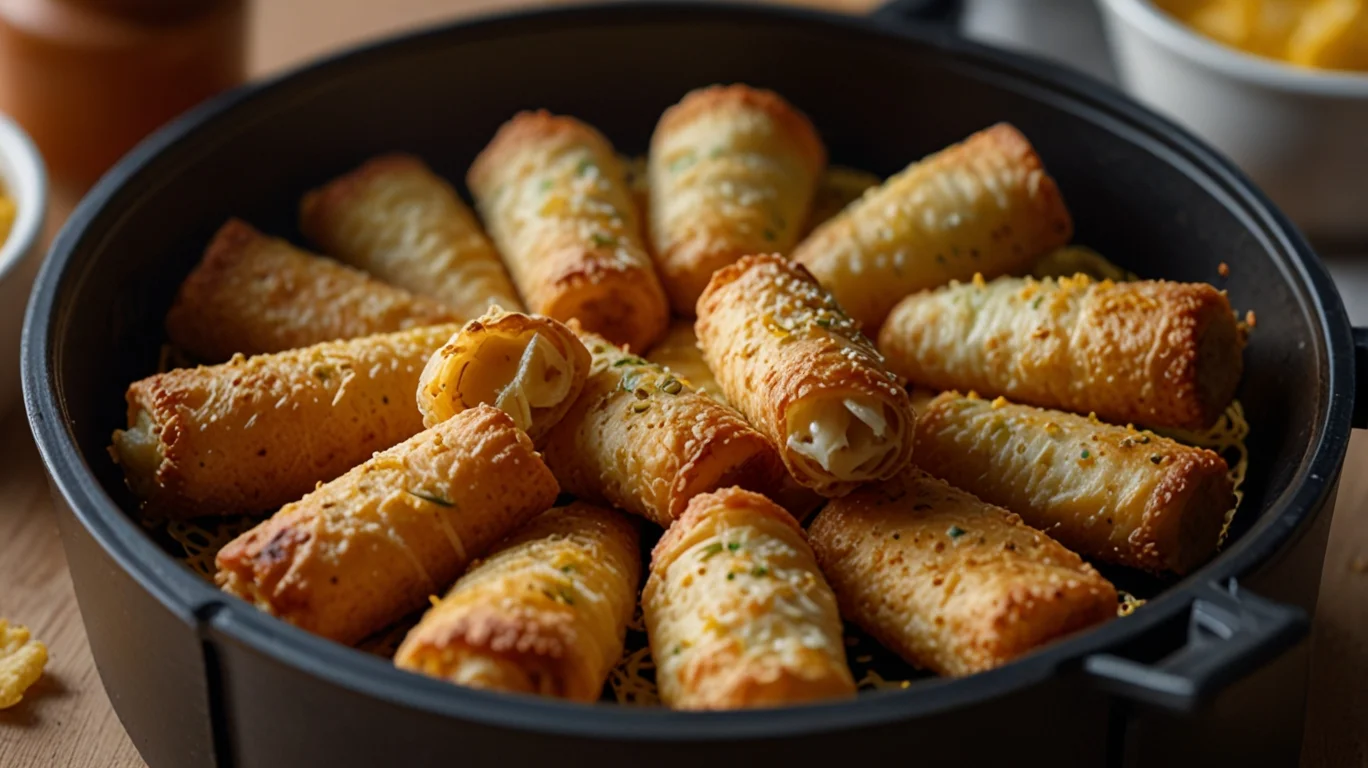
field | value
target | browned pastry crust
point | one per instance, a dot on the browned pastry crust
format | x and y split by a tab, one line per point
554	197
1151	352
252	294
785	353
1110	493
366	549
948	582
738	613
399	221
985	205
545	613
251	434
732	171
640	438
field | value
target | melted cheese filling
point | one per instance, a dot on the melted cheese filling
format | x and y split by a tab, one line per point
516	376
139	452
849	438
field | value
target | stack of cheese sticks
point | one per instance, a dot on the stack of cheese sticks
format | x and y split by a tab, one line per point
414	410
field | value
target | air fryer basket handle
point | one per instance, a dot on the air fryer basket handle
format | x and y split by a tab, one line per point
1361	378
1230	634
940	12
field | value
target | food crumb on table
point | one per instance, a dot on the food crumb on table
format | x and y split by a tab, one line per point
21	662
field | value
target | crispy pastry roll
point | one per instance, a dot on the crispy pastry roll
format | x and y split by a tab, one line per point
679	352
838	187
1151	352
641	439
985	206
399	221
1109	493
546	613
253	294
732	170
948	582
530	367
737	612
800	370
252	434
555	199
365	549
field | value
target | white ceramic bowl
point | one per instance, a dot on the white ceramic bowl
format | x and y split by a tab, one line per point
1301	134
24	181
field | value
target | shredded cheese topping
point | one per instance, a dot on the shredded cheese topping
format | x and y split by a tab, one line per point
848	438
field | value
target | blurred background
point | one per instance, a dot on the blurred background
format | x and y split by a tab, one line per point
1279	86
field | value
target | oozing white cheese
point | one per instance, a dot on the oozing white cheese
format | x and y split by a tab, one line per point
539	379
139	453
846	438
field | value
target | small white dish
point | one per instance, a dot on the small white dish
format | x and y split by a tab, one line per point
1301	134
24	180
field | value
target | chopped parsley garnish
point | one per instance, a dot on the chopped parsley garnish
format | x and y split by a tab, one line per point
433	498
603	241
545	185
682	162
710	550
759	571
824	322
955	532
584	166
731	577
733	546
567	568
630	360
1086	454
1036	304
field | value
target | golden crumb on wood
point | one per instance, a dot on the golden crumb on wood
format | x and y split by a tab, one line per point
21	662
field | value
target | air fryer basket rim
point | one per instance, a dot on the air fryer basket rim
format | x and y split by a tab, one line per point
199	604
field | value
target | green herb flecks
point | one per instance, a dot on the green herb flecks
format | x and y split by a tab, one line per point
431	497
683	161
603	241
955	532
710	550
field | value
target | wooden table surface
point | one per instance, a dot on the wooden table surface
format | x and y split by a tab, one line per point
67	720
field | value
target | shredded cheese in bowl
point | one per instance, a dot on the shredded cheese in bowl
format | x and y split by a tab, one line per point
7	213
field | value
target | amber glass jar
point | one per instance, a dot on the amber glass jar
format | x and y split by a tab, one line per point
89	78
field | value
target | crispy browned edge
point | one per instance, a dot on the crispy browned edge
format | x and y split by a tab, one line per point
1183	518
528	127
523	638
704	503
712	97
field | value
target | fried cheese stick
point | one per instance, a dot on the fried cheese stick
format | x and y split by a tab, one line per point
399	221
1109	493
732	171
253	294
555	199
364	550
948	582
737	612
640	438
254	433
985	206
799	369
1150	352
546	613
